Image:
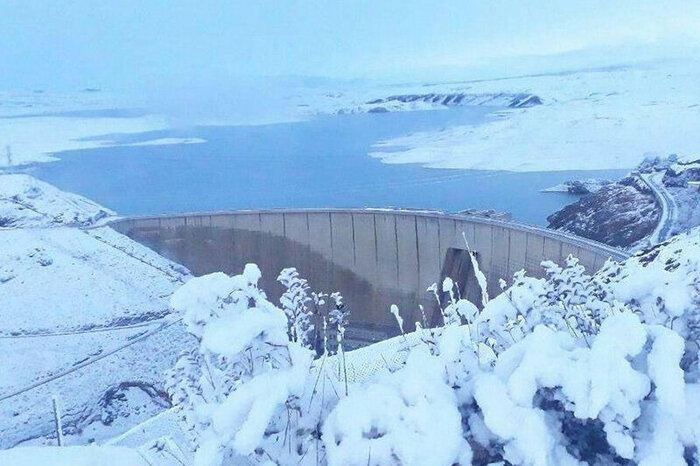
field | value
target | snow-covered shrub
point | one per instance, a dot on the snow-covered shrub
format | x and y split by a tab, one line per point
246	377
663	287
568	394
409	417
296	302
312	315
610	360
568	369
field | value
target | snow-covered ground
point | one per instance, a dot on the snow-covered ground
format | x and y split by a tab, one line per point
73	456
589	120
83	316
26	202
36	125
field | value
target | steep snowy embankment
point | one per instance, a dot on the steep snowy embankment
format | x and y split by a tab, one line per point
660	199
83	316
620	214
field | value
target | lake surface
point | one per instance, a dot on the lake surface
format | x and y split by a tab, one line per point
318	163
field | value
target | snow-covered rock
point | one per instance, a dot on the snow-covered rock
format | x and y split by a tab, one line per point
627	213
28	202
579	186
682	172
619	214
436	101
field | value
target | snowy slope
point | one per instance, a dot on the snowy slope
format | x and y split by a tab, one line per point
620	214
28	202
73	456
83	316
36	125
658	200
589	120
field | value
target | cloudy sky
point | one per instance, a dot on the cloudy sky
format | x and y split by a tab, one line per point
130	43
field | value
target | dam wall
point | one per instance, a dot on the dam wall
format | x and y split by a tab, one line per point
374	258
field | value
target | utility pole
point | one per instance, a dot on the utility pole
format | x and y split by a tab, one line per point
8	152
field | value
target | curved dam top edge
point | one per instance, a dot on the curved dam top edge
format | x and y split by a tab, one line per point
615	253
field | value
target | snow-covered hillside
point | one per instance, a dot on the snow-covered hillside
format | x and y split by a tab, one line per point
659	199
589	120
621	214
36	125
84	316
26	202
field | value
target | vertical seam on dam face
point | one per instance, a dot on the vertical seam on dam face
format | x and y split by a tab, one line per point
544	242
376	245
508	267
561	253
415	225
440	258
330	232
354	246
278	239
396	241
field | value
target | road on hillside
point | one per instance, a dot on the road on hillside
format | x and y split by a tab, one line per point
669	208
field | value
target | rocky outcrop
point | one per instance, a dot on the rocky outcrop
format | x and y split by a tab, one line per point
579	187
431	101
518	100
681	173
619	214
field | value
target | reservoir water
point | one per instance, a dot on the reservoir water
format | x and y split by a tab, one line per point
322	162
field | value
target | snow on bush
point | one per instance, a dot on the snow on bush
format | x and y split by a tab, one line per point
409	417
245	370
565	370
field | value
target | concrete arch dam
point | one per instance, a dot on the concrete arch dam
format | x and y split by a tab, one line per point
375	258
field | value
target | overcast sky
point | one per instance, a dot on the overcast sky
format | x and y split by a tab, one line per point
129	43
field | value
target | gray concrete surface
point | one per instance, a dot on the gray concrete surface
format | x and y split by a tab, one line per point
375	258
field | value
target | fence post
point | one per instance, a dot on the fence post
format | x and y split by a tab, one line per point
57	420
